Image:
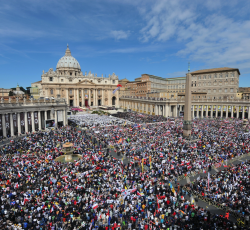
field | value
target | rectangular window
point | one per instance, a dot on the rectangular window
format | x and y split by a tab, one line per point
85	91
214	90
50	78
61	80
225	90
70	80
231	90
70	91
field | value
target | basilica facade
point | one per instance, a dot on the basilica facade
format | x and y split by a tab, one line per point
79	90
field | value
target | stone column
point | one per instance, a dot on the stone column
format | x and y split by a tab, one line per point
117	98
176	111
226	111
243	112
216	114
11	125
237	110
18	124
26	121
67	96
206	111
3	125
167	110
45	117
109	97
32	121
65	117
192	111
74	102
248	112
39	121
56	118
156	110
201	111
103	98
77	90
94	98
83	98
89	97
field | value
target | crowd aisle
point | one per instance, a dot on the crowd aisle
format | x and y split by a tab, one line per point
100	192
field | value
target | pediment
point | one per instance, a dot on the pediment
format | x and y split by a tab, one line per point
85	82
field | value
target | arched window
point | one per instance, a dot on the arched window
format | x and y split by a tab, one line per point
51	91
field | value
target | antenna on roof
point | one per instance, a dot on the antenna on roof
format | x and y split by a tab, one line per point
188	66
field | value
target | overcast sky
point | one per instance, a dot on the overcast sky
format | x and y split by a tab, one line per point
128	37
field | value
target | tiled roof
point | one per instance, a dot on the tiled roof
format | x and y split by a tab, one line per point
222	69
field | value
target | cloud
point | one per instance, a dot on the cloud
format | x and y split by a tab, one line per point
203	32
120	34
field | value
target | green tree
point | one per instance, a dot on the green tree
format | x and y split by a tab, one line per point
11	93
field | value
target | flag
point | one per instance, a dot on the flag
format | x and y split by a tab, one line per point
120	141
52	209
150	161
16	185
19	174
139	194
26	200
95	206
142	164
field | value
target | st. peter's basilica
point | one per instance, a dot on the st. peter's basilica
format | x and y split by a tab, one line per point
79	89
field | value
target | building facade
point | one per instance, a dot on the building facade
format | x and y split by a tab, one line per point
214	93
22	116
80	90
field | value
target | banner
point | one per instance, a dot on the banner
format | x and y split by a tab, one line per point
230	108
22	119
204	108
246	109
214	108
7	123
150	161
29	118
36	118
240	108
209	107
224	108
234	110
14	116
219	108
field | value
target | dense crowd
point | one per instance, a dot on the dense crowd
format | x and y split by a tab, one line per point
92	120
229	187
98	191
140	118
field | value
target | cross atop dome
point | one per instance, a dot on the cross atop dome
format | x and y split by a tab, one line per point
67	52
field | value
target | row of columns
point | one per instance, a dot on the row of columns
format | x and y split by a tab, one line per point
77	99
33	118
162	109
172	110
220	108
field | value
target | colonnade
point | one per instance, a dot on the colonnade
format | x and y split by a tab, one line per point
198	110
163	109
226	111
92	97
18	122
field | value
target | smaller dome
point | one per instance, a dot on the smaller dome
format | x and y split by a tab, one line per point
67	61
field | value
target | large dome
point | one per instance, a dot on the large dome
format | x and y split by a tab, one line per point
67	61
